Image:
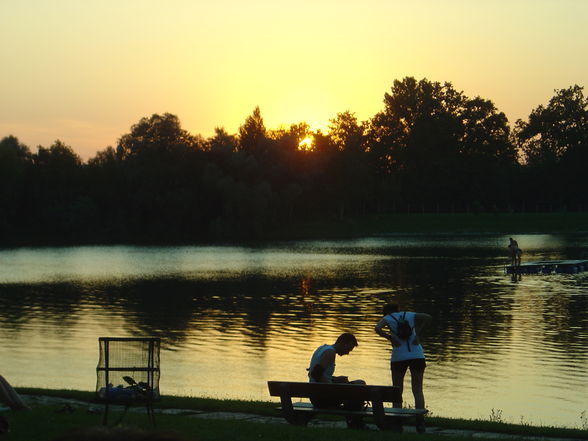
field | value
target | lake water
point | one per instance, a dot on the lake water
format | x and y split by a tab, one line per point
231	318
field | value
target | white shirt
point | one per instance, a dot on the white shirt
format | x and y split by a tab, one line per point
316	357
407	350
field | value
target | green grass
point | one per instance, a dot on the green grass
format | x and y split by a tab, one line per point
169	402
427	223
45	422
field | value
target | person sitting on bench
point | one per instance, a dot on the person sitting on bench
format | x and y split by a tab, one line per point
322	369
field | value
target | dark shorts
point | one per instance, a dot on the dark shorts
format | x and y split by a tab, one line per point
416	364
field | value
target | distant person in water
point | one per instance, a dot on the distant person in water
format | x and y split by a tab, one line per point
322	370
515	252
403	331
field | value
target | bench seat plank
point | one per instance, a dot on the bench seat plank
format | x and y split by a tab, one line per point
367	411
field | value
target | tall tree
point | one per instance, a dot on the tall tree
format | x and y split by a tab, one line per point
557	130
347	133
486	133
417	136
436	145
488	158
222	143
157	137
554	143
352	174
253	134
58	191
15	166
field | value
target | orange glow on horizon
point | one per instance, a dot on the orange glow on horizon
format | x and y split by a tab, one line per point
292	74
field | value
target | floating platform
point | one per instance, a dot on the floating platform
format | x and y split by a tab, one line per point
548	267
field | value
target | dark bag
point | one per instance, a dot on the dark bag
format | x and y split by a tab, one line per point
403	328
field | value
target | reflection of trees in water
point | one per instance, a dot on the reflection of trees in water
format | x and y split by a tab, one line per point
58	306
465	312
564	322
177	308
273	311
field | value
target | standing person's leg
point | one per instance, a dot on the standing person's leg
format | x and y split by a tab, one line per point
417	375
398	369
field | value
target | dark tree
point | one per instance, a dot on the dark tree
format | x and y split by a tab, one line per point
557	130
352	174
15	168
430	149
253	134
159	137
58	192
162	165
417	135
488	158
554	144
222	143
436	145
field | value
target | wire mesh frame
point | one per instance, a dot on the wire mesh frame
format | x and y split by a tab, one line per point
137	356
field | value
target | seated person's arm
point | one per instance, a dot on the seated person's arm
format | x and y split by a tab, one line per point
379	328
340	379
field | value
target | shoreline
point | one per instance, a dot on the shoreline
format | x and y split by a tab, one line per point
461	224
353	227
170	404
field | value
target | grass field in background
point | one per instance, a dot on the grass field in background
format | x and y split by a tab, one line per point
427	223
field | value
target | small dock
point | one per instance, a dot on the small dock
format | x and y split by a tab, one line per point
548	267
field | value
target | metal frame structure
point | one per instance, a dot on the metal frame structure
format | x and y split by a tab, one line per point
144	393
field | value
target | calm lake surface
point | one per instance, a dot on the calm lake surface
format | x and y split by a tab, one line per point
231	318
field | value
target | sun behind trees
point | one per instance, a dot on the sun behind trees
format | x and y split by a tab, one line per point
431	149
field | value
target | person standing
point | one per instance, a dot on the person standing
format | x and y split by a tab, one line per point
322	370
404	330
515	252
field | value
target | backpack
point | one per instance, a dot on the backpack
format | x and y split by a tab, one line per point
403	328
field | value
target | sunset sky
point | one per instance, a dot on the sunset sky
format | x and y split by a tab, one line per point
85	71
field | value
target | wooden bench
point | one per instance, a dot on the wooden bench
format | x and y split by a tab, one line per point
300	413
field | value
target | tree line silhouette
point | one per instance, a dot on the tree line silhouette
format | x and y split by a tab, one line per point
431	149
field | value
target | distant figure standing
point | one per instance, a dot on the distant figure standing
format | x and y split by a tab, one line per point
407	352
322	369
515	252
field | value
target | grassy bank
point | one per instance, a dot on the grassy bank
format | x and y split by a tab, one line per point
427	223
46	422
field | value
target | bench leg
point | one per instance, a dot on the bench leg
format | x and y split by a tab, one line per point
293	417
302	418
420	424
385	422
